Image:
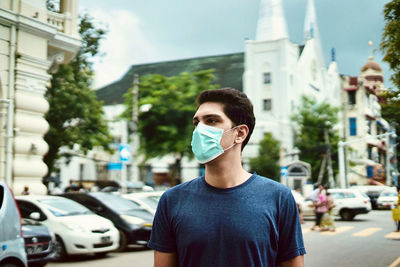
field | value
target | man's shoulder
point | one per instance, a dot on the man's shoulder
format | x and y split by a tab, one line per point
271	184
185	187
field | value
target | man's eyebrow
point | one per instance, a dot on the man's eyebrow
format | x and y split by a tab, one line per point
196	118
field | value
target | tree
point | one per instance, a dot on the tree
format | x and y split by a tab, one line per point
391	39
312	123
75	115
267	161
166	129
390	46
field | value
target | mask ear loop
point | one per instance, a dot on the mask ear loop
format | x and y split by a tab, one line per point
233	143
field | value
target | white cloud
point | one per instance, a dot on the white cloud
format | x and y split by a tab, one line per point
124	45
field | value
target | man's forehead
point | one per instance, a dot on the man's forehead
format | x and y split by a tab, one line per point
210	109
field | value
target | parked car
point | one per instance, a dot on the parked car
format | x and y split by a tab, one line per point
147	200
387	199
38	243
133	222
77	230
372	191
348	203
12	250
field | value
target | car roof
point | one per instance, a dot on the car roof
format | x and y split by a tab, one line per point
141	194
36	197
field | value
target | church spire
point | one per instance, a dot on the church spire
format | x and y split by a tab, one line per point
271	23
310	22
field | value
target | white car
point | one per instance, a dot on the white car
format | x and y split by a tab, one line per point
147	200
12	249
348	203
387	199
76	228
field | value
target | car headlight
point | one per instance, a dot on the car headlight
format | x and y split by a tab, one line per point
133	220
74	227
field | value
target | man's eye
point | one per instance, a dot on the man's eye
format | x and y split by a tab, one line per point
211	121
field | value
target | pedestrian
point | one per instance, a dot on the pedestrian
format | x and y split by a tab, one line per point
26	191
328	221
320	207
228	217
398	209
299	201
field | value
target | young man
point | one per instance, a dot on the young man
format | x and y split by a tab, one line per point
228	217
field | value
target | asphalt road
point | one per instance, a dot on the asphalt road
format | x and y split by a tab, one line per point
368	241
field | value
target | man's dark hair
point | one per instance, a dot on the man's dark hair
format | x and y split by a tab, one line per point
237	107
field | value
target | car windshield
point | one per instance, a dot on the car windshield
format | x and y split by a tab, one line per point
64	207
389	194
152	201
117	203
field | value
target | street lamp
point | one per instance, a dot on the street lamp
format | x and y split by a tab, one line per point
341	145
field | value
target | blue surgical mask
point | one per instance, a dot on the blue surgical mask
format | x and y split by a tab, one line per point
206	142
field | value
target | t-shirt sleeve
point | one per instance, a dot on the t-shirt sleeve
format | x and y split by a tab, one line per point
162	235
290	236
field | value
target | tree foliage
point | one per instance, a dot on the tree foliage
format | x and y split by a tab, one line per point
390	45
75	115
166	129
313	119
267	161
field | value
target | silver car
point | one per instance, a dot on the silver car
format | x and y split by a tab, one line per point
12	247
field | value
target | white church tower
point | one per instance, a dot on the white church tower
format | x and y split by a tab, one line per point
278	72
269	77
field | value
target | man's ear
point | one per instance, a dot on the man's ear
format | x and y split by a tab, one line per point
242	131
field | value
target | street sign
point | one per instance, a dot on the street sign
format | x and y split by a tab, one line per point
124	153
284	172
114	166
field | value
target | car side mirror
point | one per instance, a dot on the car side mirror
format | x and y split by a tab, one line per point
35	216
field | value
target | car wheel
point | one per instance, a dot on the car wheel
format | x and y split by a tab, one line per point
9	265
123	241
347	215
59	250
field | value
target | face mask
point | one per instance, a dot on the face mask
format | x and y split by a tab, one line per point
206	142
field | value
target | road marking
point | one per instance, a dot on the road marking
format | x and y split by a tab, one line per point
395	263
367	232
338	230
393	235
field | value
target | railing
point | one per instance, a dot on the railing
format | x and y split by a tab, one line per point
57	20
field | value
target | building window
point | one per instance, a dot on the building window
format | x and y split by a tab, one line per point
367	100
370	171
369	152
368	125
352	97
353	126
267	77
267	104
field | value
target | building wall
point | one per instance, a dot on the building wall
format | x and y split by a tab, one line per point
43	39
361	104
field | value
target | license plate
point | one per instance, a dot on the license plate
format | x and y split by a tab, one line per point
105	239
30	250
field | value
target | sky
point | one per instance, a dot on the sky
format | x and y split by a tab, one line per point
158	30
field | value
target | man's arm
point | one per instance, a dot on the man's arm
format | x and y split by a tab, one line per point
295	262
163	259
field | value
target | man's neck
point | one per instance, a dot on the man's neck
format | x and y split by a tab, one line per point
224	173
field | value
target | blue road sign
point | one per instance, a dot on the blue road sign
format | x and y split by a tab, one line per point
124	153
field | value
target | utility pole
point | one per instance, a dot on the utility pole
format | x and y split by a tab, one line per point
329	158
134	136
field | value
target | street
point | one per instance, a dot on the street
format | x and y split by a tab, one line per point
368	241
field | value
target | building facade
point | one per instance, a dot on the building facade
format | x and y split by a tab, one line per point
369	136
278	72
33	41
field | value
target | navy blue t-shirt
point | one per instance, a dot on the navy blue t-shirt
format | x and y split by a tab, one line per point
253	224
